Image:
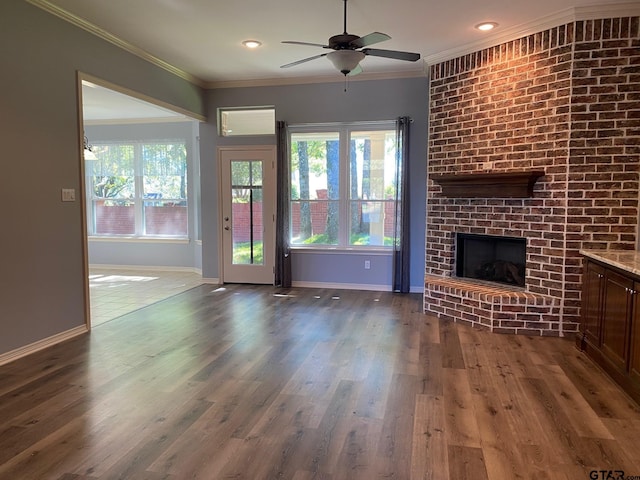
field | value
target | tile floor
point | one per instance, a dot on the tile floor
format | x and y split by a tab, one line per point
115	292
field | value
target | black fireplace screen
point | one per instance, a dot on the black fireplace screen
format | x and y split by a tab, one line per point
491	258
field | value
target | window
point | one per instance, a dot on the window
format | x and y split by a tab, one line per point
343	185
138	189
247	121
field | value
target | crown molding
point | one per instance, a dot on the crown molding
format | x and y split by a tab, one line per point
614	10
114	40
562	17
335	78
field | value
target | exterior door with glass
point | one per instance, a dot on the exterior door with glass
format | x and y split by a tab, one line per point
247	176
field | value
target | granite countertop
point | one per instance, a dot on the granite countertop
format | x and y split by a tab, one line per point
627	260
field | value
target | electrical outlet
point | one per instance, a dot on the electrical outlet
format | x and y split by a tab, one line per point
367	264
487	166
68	195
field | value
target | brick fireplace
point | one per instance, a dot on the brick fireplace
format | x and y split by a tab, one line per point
564	102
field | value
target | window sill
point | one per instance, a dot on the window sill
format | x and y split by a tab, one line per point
177	240
382	251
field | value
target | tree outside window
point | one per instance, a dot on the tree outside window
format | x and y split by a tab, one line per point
138	189
342	186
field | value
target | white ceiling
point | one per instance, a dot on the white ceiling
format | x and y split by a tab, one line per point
202	38
102	105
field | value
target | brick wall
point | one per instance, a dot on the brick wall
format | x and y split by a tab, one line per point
120	219
565	101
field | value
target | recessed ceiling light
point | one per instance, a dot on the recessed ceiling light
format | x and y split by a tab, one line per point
486	26
251	43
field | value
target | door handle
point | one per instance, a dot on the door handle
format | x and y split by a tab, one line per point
227	227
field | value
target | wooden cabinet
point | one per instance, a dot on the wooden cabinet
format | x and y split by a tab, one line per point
634	354
616	317
592	290
610	327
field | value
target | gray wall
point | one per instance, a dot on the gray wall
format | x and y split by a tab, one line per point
321	103
41	245
150	252
42	281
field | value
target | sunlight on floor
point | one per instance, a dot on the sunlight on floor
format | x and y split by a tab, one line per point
116	292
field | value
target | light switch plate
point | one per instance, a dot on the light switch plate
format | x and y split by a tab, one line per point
68	194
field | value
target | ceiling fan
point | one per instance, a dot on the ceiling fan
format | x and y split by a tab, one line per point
348	50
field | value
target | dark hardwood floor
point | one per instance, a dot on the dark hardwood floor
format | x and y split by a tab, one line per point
256	383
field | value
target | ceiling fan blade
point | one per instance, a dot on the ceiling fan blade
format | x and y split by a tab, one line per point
375	37
306	43
292	64
408	56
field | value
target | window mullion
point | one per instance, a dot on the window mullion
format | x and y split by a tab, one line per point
90	202
344	188
139	189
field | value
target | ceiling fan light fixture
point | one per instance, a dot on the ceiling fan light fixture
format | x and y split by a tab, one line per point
88	150
89	155
486	26
251	44
345	60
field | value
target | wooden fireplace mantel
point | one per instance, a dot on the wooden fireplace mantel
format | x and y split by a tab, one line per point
488	184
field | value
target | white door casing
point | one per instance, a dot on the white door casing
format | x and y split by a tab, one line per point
247	213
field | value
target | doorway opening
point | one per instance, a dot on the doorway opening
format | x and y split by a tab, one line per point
140	166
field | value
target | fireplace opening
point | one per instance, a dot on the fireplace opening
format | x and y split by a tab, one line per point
491	258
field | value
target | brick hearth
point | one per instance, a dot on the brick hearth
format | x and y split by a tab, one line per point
496	308
565	101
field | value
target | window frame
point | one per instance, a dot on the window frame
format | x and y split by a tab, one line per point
344	130
249	115
138	200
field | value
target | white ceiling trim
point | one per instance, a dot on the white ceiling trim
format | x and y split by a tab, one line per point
118	42
545	23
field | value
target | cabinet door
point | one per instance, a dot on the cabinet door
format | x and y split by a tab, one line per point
634	360
616	318
592	289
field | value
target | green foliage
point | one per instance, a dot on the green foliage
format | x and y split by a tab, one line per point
356	239
317	153
390	191
163	167
246	178
318	239
111	186
242	253
365	239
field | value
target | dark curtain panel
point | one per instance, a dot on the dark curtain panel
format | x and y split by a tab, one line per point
401	232
282	277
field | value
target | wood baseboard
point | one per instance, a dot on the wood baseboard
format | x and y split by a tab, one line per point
41	344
